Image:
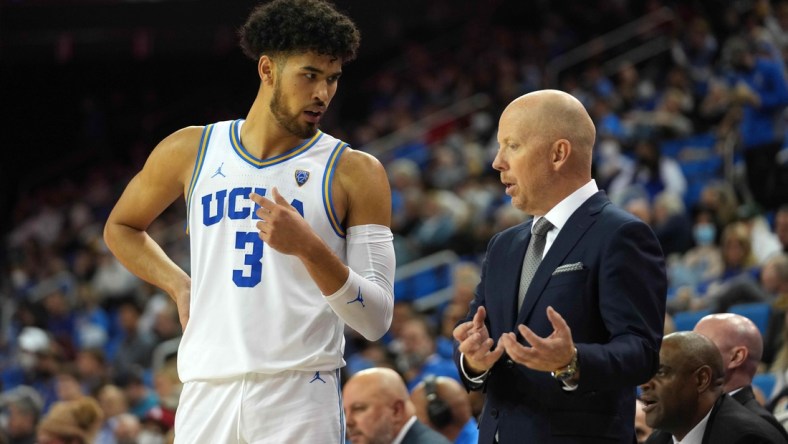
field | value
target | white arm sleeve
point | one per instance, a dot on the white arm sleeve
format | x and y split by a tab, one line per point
366	301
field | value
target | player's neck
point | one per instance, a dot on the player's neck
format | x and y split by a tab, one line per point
263	136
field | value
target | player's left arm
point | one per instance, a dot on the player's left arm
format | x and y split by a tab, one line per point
361	292
366	299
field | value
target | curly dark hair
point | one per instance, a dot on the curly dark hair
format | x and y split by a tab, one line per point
283	27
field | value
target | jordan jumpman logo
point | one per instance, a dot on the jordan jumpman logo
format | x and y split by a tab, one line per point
359	298
317	378
219	171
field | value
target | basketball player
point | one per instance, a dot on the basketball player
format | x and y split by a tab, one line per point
290	241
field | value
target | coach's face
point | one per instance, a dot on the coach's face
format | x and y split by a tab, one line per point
371	416
523	158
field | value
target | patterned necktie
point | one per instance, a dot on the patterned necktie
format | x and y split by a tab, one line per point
533	257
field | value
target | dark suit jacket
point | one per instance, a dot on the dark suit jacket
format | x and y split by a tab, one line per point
746	397
615	307
729	423
421	434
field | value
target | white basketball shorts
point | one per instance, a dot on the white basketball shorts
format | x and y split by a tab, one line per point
287	407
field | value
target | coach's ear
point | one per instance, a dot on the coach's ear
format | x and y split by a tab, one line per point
265	69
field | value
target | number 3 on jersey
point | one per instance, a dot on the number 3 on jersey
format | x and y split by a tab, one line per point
254	259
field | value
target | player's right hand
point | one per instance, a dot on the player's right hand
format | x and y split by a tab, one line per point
476	344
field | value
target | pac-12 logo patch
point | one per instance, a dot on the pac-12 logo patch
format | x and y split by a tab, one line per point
301	177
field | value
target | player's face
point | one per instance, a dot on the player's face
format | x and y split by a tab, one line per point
369	418
523	159
670	397
302	90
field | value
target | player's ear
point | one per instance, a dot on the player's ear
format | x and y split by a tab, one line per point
265	69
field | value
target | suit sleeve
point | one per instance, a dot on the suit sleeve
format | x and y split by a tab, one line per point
632	287
478	301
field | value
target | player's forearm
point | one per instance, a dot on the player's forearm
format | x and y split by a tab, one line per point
365	301
143	257
324	267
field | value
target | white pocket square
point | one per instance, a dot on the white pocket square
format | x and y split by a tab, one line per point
568	267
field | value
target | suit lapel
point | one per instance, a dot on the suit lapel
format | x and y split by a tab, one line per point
574	229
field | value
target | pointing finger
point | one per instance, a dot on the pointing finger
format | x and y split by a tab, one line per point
279	199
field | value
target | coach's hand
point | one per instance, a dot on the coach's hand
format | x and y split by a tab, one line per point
281	225
545	354
476	344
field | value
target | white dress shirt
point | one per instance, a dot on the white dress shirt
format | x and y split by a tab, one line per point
695	436
404	430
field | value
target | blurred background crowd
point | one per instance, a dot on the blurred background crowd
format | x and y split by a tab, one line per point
689	99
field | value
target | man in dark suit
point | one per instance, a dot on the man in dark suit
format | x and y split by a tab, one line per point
685	403
378	410
566	321
741	345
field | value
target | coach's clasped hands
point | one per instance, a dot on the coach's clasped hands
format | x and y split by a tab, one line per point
544	354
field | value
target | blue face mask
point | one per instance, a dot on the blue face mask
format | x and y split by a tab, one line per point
704	234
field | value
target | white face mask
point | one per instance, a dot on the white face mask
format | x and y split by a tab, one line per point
149	437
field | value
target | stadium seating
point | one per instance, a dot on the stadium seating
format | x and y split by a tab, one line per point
686	320
757	312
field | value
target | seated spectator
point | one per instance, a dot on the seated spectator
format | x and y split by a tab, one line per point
139	395
741	345
22	409
781	226
767	286
156	424
127	429
444	405
133	348
71	422
451	316
418	358
671	223
113	403
764	242
378	410
650	170
774	288
699	265
37	361
667	119
720	197
67	384
738	264
685	403
93	370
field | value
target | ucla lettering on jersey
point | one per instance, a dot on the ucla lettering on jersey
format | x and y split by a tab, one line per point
257	310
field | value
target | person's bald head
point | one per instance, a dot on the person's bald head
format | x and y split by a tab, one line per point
450	392
546	139
739	342
557	115
376	404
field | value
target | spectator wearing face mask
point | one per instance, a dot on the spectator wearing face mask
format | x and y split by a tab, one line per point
700	265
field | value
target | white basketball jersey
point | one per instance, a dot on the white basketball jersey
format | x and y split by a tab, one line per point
252	308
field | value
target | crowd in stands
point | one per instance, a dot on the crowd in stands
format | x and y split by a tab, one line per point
693	142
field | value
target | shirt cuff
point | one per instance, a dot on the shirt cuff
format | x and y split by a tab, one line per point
478	380
569	387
